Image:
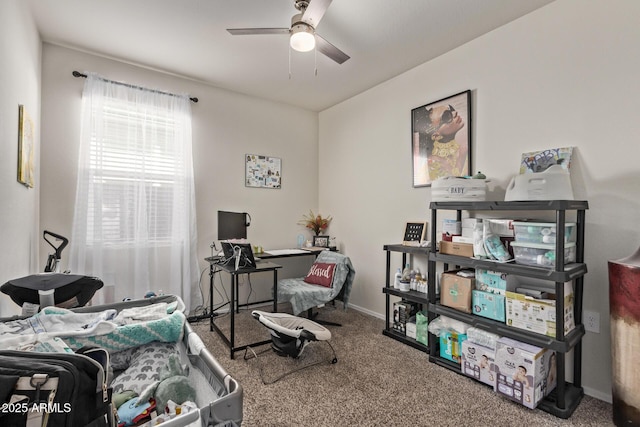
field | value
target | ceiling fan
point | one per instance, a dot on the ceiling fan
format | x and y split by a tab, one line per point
303	36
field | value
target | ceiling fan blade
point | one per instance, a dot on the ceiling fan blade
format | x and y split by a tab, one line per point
254	31
315	11
330	50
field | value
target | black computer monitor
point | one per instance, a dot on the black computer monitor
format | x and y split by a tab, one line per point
232	225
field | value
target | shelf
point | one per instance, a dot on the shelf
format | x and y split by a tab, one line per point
571	271
570	340
565	398
420	250
415	296
405	340
528	205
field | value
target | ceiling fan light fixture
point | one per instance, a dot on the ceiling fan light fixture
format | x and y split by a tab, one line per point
302	38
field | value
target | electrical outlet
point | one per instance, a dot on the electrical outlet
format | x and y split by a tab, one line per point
591	321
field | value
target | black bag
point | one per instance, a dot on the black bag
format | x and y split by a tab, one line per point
55	389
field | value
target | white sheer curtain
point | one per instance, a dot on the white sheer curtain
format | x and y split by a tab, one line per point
134	225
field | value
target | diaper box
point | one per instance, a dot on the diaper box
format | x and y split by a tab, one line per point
524	373
455	290
539	315
451	345
487	304
477	361
495	281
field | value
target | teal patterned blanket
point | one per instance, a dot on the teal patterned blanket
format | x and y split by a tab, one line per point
109	329
167	329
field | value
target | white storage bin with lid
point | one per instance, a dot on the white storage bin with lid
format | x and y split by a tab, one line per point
540	254
542	232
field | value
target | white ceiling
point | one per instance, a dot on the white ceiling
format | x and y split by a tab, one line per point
188	37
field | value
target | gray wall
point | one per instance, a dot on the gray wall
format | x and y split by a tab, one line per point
19	84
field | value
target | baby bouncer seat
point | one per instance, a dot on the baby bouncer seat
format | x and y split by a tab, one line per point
290	335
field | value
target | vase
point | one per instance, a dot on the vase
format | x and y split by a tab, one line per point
624	307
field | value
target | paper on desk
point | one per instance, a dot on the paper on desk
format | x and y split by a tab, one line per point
285	251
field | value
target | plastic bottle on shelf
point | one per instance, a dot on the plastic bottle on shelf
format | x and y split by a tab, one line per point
396	280
406	274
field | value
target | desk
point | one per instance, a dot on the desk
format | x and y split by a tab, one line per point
287	253
261	266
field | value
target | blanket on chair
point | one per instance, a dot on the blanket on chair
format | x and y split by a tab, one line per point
304	296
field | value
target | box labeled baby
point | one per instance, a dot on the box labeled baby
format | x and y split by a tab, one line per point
524	373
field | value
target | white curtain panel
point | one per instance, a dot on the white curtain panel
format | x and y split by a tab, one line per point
134	225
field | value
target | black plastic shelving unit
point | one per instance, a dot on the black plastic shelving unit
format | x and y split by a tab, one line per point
564	399
413	296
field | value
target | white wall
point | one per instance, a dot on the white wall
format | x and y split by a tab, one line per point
564	75
226	126
19	84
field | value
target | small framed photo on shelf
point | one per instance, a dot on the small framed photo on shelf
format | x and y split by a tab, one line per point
414	233
321	241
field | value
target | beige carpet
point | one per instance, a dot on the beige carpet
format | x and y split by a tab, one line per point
376	382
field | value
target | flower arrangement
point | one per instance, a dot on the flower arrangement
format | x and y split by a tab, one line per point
314	222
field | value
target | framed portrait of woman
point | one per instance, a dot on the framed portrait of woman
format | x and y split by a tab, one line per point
441	139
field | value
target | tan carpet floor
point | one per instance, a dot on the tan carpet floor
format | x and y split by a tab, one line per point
377	381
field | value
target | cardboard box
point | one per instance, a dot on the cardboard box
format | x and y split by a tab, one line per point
462	239
411	329
524	373
539	315
451	345
460	249
451	226
455	290
487	304
495	281
477	361
402	311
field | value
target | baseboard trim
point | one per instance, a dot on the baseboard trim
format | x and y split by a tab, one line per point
366	311
605	397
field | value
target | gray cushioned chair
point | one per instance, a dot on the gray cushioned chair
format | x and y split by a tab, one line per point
304	296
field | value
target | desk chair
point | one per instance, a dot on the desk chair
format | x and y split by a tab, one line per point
330	278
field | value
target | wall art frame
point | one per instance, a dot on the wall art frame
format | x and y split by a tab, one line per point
263	171
26	149
441	139
321	241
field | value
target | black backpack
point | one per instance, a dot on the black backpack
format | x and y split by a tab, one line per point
55	389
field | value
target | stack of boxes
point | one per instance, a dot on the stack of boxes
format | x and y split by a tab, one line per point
522	372
488	299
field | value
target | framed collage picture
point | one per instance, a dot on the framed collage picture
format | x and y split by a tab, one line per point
263	171
441	139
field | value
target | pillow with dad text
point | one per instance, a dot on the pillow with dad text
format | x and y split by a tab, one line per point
321	273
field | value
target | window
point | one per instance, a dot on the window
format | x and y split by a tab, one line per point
134	221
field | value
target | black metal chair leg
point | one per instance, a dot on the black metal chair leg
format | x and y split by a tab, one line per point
312	316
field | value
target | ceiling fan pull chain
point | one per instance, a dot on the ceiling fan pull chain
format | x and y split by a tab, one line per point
315	61
289	50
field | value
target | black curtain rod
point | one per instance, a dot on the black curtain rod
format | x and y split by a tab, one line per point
79	74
